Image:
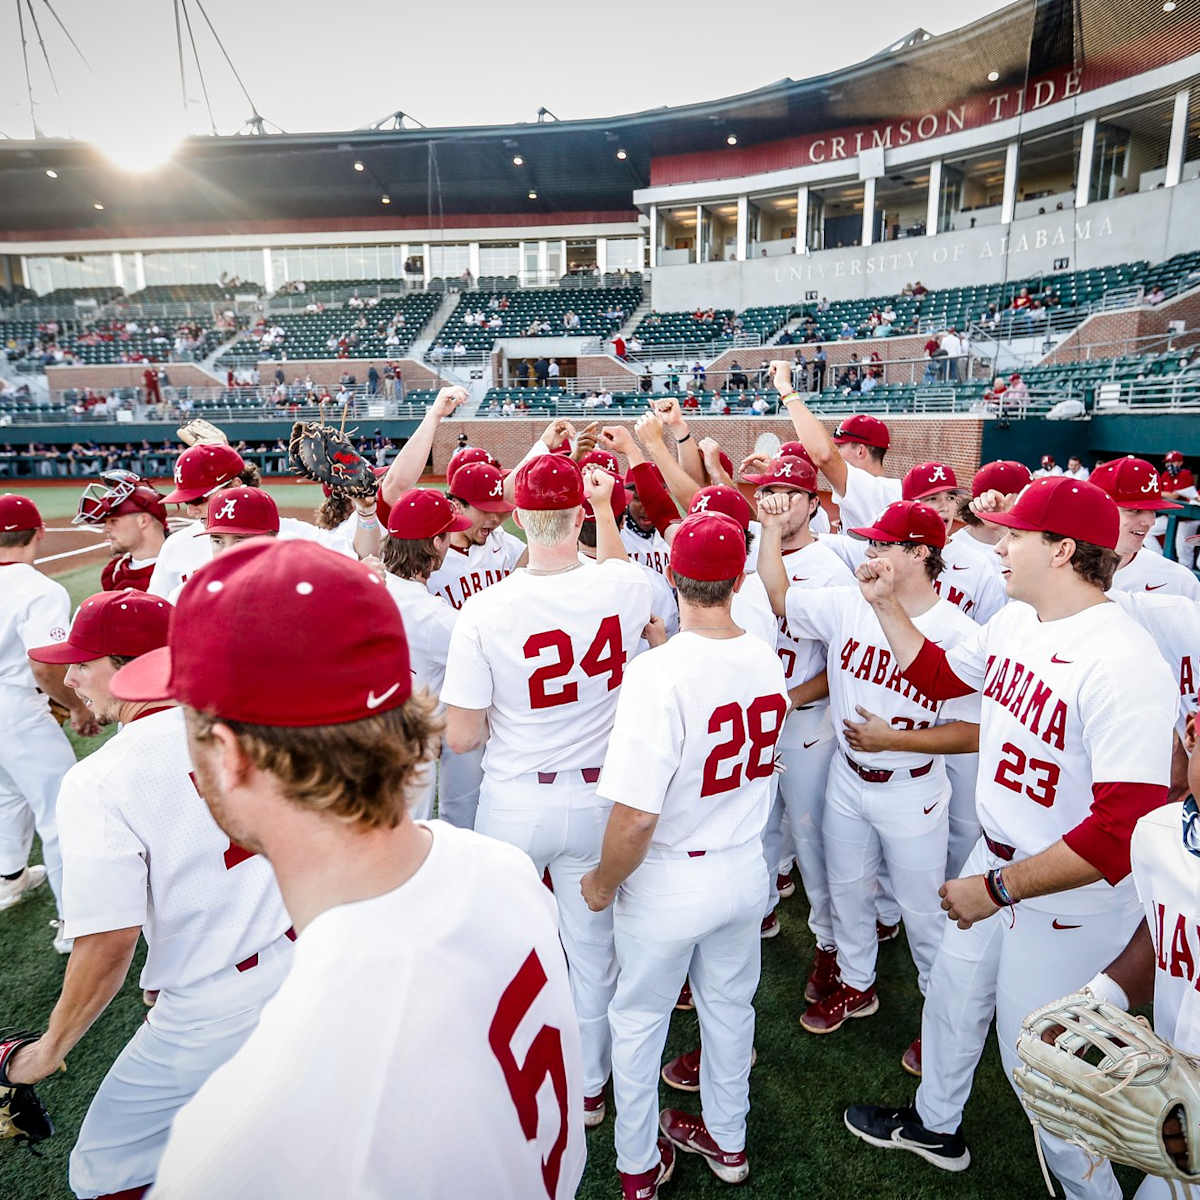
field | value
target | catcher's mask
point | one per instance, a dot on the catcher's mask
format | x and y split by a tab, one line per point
101	498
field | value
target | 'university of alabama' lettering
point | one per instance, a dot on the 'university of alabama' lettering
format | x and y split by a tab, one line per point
874	664
1175	953
468	585
1015	687
956	596
654	559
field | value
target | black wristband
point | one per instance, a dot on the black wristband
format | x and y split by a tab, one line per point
686	437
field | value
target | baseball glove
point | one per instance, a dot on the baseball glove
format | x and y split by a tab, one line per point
1102	1079
201	432
23	1118
328	456
60	712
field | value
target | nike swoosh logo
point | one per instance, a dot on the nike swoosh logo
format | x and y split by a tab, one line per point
954	567
810	745
802	579
374	701
1062	661
930	809
1057	924
1153	587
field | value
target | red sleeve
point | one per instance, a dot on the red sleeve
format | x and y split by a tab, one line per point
931	673
652	492
1102	837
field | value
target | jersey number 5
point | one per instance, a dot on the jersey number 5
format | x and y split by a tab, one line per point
544	1061
605	656
759	724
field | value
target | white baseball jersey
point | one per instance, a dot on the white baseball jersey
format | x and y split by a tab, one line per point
694	740
545	655
1149	572
428	624
814	566
989	553
650	551
290	528
971	582
491	1103
140	847
662	598
181	556
751	609
466	572
34	611
1085	699
1167	877
866	497
862	669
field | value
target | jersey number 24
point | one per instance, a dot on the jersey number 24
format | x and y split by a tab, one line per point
605	656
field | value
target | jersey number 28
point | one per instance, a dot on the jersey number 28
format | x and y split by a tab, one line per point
759	724
605	656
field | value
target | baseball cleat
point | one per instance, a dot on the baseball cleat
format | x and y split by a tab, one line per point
770	926
683	1073
645	1184
13	891
685	1002
844	1004
785	885
901	1129
824	978
594	1110
910	1060
63	945
688	1132
886	933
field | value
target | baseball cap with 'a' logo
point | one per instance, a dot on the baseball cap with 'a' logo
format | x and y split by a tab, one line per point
481	485
244	511
1132	483
928	479
201	469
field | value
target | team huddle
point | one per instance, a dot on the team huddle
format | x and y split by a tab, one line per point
968	711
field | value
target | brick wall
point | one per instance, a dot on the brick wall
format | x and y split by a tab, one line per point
1109	334
104	378
837	354
328	371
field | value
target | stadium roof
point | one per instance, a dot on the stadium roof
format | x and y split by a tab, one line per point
243	183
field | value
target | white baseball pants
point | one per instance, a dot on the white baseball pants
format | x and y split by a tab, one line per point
561	825
961	770
901	825
679	917
459	779
34	756
1009	965
186	1036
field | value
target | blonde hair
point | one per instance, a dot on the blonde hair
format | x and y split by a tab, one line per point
548	527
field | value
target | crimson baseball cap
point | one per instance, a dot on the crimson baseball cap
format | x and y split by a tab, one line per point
327	671
424	513
481	485
1003	475
468	454
721	498
796	450
726	463
18	513
1068	507
1047	460
709	546
795	473
245	511
870	431
1132	483
128	623
906	521
548	482
202	469
630	479
601	458
1174	456
619	499
928	479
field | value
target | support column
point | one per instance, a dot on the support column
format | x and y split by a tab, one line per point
473	259
139	271
653	236
743	228
1087	151
933	205
868	221
699	233
268	271
602	256
118	271
426	266
1178	140
802	219
1008	205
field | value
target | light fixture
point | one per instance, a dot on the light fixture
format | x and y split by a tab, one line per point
731	140
1169	6
385	199
98	206
358	165
533	195
518	161
993	76
51	173
622	155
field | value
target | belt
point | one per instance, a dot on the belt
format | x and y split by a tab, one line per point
872	775
1000	849
248	964
590	775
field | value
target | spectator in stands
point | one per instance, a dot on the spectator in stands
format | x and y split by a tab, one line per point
619	347
820	361
635	344
919	289
884	328
1048	467
1075	468
553	371
846	333
521	372
646	383
800	372
150	381
508	408
460	348
824	304
1156	295
1017	388
1021	300
672	384
541	371
698	373
868	384
690	400
952	347
737	377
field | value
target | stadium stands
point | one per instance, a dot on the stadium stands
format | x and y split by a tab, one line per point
190	293
69	295
682	328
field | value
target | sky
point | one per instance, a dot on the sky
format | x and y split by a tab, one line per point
346	64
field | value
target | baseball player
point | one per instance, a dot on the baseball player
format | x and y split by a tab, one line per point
134	519
1134	486
34	752
643	543
142	856
234	514
1048	468
688	772
1074	746
535	667
409	464
402	926
884	806
1003	476
419	529
1176	483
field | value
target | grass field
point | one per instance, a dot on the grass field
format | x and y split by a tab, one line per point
797	1144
